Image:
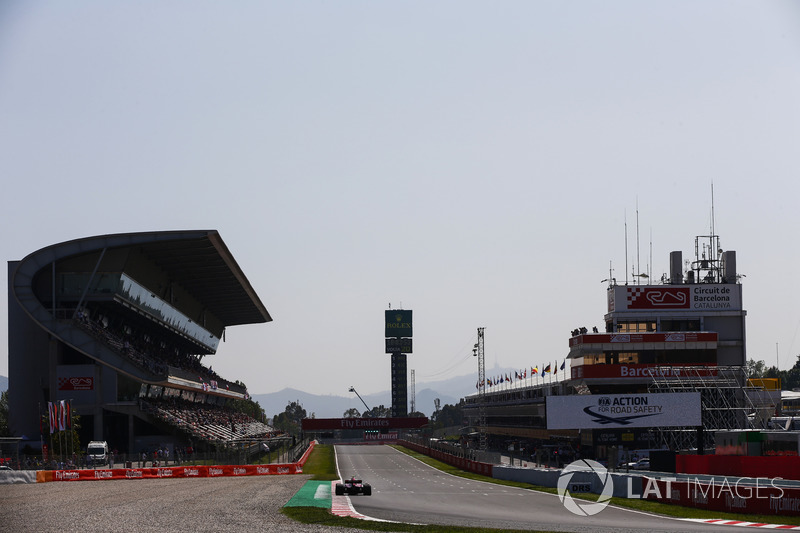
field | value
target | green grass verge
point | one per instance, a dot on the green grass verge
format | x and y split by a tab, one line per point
321	463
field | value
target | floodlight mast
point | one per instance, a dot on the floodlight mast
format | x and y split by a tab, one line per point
478	352
353	389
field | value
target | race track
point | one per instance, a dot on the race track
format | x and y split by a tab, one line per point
405	489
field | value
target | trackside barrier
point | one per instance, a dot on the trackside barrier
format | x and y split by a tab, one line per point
750	496
8	477
786	467
625	485
469	465
175	471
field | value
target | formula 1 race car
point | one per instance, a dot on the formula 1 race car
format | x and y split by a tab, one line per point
353	486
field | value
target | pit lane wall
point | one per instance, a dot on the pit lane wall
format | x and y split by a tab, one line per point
625	485
43	476
475	467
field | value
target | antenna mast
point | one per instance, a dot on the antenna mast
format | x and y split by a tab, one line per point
638	263
413	393
626	247
712	211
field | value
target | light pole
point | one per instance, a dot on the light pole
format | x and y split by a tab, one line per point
353	389
478	352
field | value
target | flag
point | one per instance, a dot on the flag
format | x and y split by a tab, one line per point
68	415
546	369
61	418
563	364
534	370
51	412
516	374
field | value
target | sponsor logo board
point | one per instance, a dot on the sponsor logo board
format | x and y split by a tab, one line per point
593	411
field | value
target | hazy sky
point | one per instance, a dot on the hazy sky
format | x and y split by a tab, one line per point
472	161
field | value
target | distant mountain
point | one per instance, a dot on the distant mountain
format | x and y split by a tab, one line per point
449	391
330	406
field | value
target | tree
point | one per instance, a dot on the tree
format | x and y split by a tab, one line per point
790	379
5	431
448	416
377	412
247	407
351	413
755	369
290	419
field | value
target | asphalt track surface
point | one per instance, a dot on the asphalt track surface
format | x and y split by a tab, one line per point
405	489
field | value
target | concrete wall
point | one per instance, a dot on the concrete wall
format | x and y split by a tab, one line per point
17	476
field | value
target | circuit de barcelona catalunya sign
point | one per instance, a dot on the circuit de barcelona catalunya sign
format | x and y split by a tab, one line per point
698	297
593	411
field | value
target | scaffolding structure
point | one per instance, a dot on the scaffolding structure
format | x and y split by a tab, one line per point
728	402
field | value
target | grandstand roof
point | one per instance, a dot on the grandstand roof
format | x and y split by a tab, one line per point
197	259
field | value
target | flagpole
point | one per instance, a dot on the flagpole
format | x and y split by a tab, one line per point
50	429
71	441
41	433
59	417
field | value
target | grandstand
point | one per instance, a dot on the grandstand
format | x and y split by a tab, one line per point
120	326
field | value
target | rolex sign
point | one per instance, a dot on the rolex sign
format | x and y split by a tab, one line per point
398	323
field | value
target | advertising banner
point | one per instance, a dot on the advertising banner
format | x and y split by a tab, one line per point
398	323
697	297
640	371
170	472
601	411
193	471
317	424
76	382
371	436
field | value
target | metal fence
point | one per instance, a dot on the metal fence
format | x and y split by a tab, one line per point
244	453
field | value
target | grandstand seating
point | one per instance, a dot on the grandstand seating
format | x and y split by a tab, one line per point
212	424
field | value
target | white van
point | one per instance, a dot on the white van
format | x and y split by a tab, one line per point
97	452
